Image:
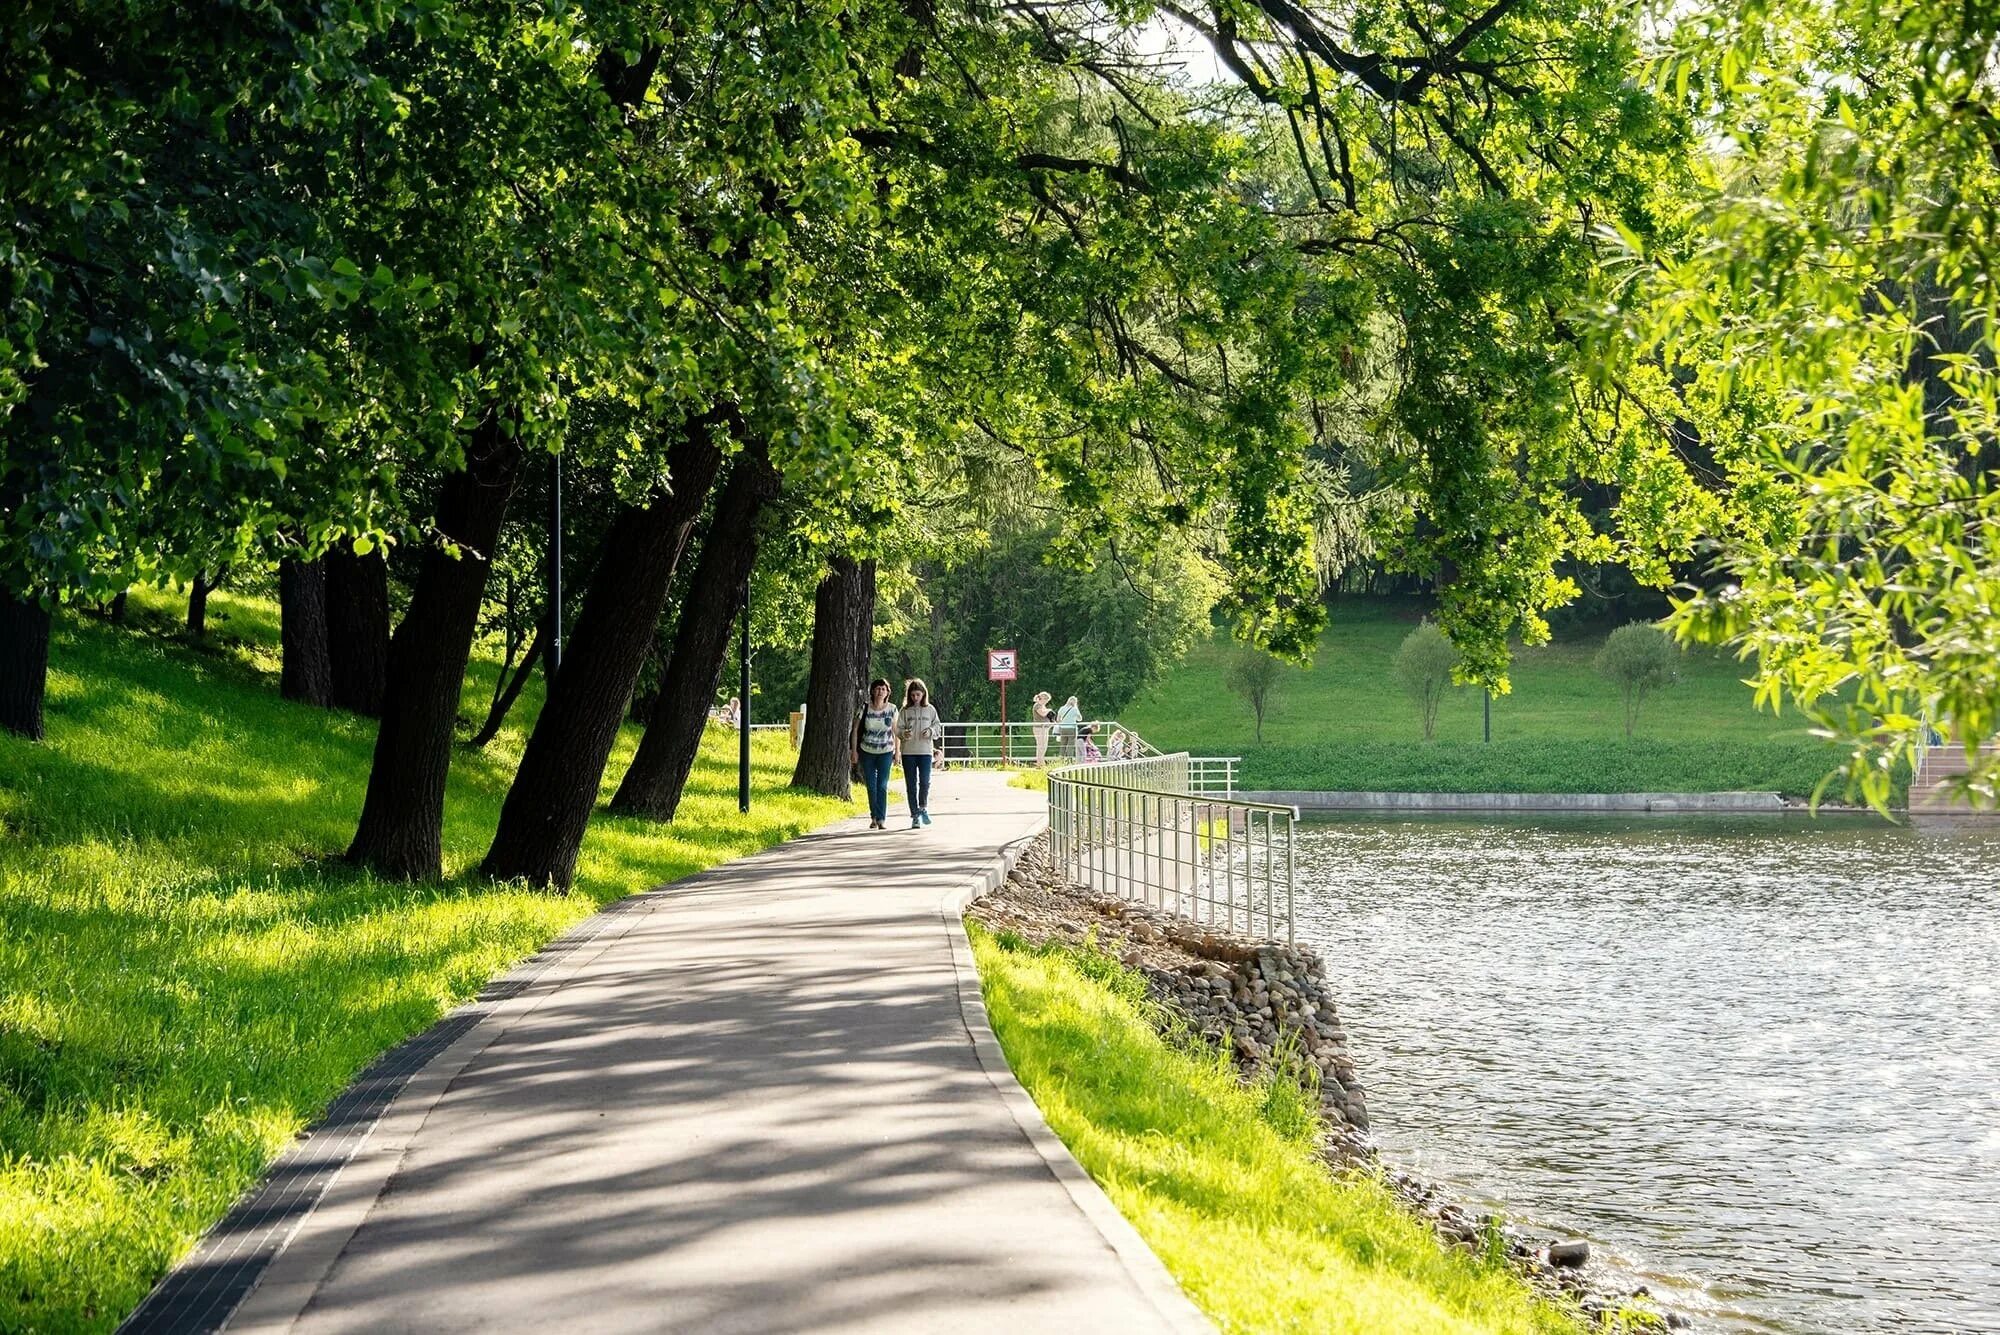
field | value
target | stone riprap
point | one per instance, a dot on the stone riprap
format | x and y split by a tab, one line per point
1265	1001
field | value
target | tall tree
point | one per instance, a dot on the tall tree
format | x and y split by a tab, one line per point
307	667
548	806
659	771
357	618
401	831
843	632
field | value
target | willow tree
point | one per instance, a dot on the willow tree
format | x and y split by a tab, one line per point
1817	331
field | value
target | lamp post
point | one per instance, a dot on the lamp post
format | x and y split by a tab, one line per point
1489	713
743	708
553	662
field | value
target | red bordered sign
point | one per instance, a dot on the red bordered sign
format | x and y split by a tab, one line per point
1002	664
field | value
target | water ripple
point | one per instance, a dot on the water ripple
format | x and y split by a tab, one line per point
1756	1059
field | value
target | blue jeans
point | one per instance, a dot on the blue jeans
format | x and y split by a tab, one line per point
917	783
875	777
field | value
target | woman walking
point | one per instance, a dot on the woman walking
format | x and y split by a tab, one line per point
918	731
875	750
1044	719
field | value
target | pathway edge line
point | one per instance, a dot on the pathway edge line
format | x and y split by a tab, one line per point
1147	1272
295	1274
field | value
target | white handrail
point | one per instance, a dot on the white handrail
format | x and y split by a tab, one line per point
1139	829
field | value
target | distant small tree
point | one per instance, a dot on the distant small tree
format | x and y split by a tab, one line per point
1254	676
1639	658
1423	665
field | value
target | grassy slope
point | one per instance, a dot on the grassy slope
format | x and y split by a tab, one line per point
1221	1180
1345	724
185	979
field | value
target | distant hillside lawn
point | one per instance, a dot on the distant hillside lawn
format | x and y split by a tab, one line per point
1346	724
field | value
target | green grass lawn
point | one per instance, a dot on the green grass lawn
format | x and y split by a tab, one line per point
1220	1179
1345	723
187	976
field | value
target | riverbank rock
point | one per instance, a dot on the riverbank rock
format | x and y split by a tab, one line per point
1267	1003
1570	1253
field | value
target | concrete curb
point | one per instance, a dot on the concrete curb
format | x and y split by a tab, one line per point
1742	802
1148	1273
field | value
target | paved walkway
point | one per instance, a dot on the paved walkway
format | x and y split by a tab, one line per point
752	1103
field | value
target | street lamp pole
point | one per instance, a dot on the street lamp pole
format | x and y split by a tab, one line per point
743	707
1489	713
555	631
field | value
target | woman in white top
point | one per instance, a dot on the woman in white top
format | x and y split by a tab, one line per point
1068	719
875	750
918	729
1043	718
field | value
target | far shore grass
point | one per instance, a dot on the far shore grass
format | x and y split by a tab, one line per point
1221	1180
188	974
1345	724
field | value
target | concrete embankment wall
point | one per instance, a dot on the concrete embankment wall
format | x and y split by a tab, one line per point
1358	801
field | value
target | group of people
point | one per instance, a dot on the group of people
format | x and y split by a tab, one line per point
912	734
886	733
1074	738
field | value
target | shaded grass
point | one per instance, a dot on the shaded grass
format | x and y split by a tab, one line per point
188	976
1221	1179
1345	723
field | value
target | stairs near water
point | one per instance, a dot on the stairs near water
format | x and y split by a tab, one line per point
1930	794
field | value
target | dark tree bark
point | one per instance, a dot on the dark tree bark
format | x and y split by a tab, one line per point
24	664
401	833
548	807
357	619
307	674
652	786
843	627
504	698
115	613
197	621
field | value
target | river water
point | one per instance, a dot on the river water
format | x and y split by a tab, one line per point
1757	1060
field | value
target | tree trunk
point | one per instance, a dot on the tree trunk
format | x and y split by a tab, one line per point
307	674
504	698
24	664
115	613
652	786
401	833
843	628
357	619
548	807
197	622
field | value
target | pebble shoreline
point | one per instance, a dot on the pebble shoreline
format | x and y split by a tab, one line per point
1271	1006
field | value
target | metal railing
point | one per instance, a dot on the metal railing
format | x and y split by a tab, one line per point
986	743
1139	829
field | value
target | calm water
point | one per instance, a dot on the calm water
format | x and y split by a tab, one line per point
1757	1059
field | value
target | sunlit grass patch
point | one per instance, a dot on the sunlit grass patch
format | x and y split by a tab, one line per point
1221	1179
188	974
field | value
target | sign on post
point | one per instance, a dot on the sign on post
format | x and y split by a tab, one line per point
1002	665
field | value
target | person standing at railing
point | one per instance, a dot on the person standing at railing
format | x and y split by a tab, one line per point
1068	719
1041	723
918	730
875	750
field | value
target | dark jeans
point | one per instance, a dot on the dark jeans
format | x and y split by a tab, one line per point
917	782
875	777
